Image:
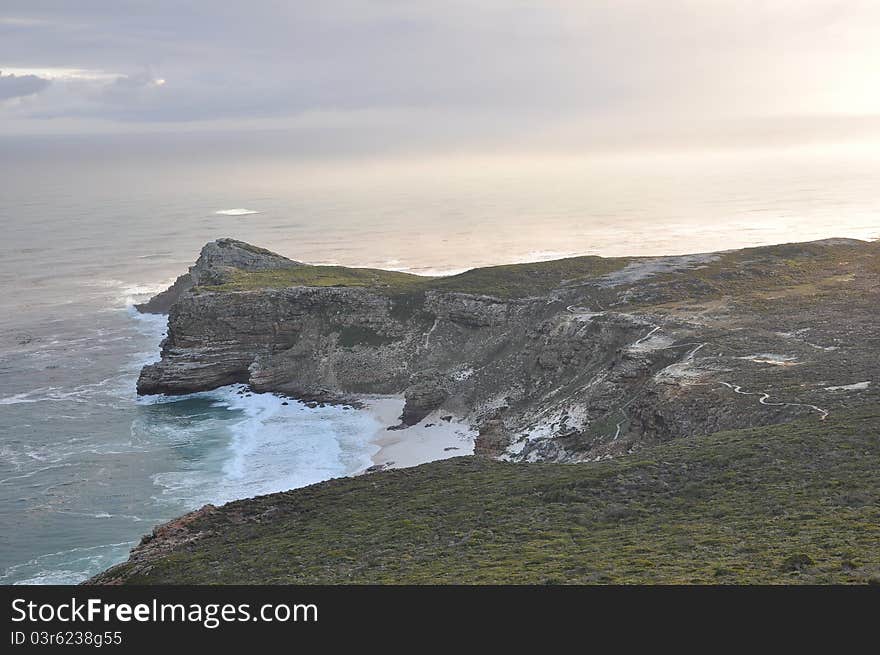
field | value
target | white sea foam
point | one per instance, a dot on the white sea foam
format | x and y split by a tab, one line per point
18	398
547	255
273	443
237	211
153	326
109	390
277	444
129	294
46	394
67	566
209	447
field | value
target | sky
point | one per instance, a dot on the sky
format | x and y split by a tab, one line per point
376	74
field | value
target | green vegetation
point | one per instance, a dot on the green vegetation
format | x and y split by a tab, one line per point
803	270
354	335
257	250
320	276
795	503
523	280
509	281
797	271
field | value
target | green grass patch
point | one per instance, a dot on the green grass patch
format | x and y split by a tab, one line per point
320	276
508	281
795	503
805	269
356	335
797	269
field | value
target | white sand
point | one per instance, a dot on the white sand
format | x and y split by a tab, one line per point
417	444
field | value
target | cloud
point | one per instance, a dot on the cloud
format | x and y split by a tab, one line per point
136	90
19	86
455	68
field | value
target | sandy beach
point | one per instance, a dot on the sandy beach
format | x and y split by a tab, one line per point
430	440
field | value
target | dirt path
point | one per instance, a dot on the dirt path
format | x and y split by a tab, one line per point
823	413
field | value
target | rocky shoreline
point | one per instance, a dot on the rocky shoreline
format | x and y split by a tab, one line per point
579	360
608	357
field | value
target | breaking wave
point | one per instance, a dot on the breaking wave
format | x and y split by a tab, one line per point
237	211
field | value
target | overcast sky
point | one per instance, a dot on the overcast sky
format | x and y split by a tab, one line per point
456	71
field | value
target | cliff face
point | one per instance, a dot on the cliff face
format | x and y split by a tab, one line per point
215	264
566	361
769	357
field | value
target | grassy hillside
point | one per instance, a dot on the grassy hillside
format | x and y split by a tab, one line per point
805	269
508	281
796	503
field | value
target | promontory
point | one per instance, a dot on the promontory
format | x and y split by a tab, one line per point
711	417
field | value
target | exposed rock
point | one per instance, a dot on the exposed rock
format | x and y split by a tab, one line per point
217	261
161	541
25	339
375	468
587	368
220	258
422	397
492	440
582	371
161	303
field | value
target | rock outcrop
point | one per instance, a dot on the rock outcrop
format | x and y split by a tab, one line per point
163	540
161	303
572	360
216	264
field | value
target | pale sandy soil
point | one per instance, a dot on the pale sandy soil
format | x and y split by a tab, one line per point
428	441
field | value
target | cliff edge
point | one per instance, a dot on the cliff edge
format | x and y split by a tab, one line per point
572	360
217	262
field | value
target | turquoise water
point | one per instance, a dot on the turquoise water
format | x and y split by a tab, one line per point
86	468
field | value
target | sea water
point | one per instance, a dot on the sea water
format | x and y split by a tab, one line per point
87	468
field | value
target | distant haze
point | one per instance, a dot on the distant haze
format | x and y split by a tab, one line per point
428	136
383	75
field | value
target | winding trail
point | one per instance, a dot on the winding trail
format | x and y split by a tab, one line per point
823	413
624	415
686	358
430	332
763	397
646	337
583	311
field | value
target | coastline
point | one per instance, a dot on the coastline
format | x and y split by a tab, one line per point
430	440
282	443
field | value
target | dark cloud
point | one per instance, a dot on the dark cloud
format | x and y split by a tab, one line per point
18	86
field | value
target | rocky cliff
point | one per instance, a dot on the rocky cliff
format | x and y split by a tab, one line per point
572	360
217	262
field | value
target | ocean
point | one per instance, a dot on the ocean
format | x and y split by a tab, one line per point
87	468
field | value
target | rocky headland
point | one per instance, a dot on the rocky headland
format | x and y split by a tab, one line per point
570	361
